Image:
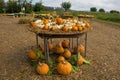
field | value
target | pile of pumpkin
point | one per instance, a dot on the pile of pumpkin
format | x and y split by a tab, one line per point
66	61
61	24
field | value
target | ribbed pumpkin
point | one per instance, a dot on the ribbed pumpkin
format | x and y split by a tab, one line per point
60	59
42	68
59	20
65	43
59	49
64	68
34	54
80	60
81	49
67	53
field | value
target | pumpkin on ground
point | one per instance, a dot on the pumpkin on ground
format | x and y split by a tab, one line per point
81	49
59	49
67	53
42	68
64	68
60	59
81	60
34	54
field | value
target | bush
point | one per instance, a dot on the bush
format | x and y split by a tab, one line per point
24	20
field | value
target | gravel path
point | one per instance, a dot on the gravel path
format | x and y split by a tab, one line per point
103	49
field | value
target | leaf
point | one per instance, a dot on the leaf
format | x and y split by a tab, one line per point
50	73
74	68
42	56
73	60
51	62
36	52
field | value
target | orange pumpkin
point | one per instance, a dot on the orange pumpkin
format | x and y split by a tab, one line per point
45	21
80	28
59	20
50	46
80	60
33	24
34	54
42	68
64	68
65	43
45	27
59	49
77	24
65	28
60	59
74	28
88	25
81	49
67	53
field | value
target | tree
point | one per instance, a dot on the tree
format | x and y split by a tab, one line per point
66	5
93	9
28	8
12	6
114	11
38	6
2	6
101	10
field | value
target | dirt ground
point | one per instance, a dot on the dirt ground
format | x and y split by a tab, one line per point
103	49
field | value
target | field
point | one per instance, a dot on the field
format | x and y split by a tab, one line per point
103	49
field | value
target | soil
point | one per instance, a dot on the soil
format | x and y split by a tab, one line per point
103	49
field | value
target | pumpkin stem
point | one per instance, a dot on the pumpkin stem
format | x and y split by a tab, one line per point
63	61
86	61
40	63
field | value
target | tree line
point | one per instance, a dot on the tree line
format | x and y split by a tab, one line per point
15	6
